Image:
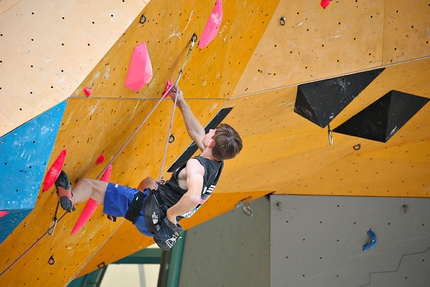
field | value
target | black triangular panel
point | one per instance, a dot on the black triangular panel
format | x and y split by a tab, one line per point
382	119
320	102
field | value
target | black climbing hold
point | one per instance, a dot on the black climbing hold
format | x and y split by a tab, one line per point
382	119
320	102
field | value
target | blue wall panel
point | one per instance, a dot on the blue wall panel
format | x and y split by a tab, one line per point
24	154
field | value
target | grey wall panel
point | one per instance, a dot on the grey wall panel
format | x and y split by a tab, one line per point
231	250
317	241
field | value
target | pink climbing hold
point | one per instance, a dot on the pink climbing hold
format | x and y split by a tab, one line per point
100	159
87	92
91	205
106	175
212	25
3	213
140	69
167	88
325	3
86	214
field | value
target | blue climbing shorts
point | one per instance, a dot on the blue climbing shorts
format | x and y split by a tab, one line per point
116	203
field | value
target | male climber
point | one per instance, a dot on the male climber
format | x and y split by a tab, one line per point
180	196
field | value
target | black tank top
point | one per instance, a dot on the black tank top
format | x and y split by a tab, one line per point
171	192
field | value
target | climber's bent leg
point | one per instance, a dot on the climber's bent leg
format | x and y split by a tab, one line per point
87	188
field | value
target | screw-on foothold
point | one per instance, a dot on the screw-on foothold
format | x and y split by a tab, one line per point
171	138
51	260
406	208
142	19
279	205
282	21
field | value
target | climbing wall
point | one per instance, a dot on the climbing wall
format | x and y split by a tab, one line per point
318	241
262	55
101	117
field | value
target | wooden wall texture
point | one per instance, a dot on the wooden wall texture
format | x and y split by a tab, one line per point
254	65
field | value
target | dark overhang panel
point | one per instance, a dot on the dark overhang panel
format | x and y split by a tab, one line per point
320	102
382	119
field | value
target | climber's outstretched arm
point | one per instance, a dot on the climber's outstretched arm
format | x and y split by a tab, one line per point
194	128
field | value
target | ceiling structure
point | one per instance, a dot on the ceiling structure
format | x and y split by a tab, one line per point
264	53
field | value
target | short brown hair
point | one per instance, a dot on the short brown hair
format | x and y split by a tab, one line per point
227	142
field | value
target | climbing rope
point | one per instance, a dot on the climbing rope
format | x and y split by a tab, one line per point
168	140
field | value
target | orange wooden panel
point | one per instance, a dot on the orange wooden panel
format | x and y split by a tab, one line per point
289	154
315	43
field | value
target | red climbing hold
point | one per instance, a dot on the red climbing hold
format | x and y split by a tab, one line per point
87	92
54	171
167	88
212	25
140	69
101	159
325	3
3	213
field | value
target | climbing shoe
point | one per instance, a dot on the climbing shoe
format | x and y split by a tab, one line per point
64	191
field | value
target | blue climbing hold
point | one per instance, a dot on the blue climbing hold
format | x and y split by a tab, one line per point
371	240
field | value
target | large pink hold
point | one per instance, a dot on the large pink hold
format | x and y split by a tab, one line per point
91	206
212	26
140	69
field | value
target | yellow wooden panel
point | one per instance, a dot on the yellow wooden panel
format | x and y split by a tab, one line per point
210	73
288	154
128	240
406	30
315	43
279	145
